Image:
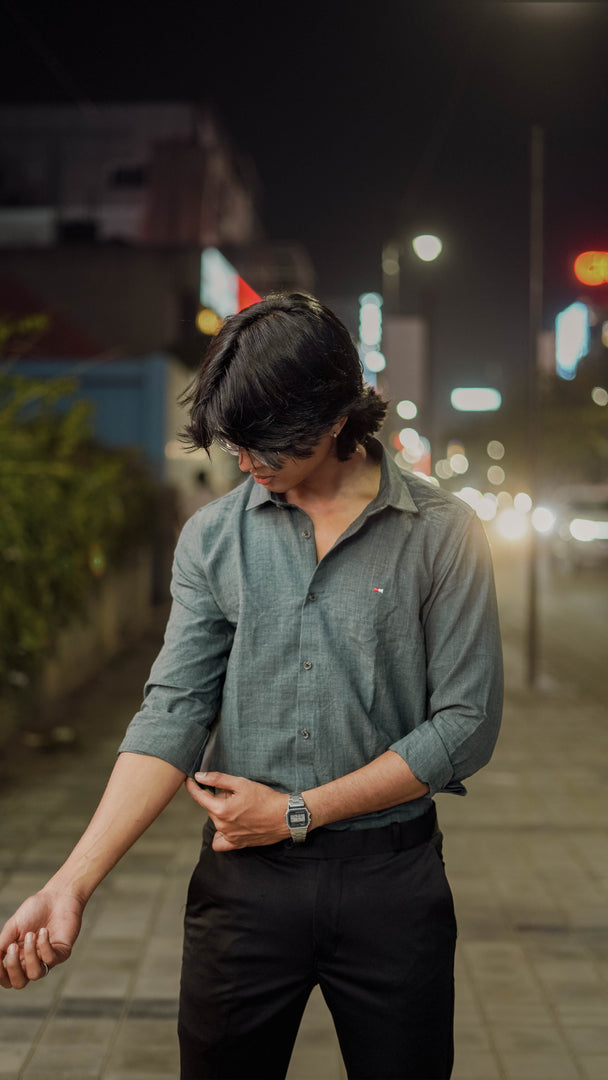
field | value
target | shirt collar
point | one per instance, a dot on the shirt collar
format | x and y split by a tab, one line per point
393	490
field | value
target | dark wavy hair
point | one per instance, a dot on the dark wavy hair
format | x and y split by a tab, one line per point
276	378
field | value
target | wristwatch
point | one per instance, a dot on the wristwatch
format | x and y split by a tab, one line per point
298	818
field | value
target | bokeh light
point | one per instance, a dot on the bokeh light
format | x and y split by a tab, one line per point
459	463
495	450
511	524
443	469
208	322
375	361
407	410
522	502
496	475
543	519
427	247
475	399
585	530
487	507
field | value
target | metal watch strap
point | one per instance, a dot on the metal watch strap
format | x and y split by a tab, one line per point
298	833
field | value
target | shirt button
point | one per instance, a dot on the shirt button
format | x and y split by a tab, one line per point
306	533
307	665
312	597
305	733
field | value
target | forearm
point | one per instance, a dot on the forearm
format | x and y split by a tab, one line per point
138	790
384	782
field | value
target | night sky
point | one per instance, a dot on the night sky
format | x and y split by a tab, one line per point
368	121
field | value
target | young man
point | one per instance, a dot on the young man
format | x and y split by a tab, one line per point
332	661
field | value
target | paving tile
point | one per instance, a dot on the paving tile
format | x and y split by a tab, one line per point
147	1008
67	1061
528	1040
13	1055
595	1067
64	1031
146	1045
471	1038
547	1066
94	984
132	1074
476	1065
18	1029
588	1039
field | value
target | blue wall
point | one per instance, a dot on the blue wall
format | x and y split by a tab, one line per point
128	398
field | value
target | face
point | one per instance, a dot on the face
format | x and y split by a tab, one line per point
291	472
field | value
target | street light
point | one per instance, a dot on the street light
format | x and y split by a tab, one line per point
427	247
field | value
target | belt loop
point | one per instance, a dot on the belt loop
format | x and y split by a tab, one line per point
396	836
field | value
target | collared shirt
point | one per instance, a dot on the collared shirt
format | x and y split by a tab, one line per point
294	672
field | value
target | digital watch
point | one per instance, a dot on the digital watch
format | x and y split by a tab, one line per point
298	818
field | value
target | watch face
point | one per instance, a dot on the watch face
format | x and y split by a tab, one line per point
297	819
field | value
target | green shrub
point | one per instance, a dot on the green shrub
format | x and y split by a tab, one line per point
68	510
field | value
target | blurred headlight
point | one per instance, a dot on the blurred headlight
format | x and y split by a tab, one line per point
586	530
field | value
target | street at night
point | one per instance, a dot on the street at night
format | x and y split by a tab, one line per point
296	303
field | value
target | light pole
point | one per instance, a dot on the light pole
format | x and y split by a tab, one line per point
533	396
427	247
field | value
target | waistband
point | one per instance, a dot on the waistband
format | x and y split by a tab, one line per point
349	843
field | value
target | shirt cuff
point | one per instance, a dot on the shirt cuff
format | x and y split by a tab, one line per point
149	735
427	757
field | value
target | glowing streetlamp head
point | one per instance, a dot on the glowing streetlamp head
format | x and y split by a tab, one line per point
427	247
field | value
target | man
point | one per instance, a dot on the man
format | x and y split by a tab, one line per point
332	660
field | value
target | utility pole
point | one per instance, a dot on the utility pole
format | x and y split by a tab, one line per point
533	395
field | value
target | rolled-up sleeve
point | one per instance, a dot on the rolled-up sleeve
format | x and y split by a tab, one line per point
183	692
464	668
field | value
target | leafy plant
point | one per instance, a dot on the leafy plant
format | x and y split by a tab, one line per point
69	509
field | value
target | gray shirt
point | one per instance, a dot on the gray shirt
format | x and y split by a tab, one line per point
391	641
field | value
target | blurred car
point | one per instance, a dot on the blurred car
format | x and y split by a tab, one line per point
579	537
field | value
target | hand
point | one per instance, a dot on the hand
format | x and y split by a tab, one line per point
245	814
42	931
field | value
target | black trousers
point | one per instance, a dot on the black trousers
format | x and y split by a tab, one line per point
367	915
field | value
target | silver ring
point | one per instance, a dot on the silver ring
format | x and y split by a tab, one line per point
46	967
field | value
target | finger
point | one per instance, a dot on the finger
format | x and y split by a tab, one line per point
221	843
4	977
31	963
51	954
219	780
16	975
203	798
9	933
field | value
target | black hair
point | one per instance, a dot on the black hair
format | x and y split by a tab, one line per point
277	376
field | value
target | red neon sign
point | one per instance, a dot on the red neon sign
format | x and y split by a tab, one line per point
591	268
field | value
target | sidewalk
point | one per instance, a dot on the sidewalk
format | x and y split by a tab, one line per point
526	855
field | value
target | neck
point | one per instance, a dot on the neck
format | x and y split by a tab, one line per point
334	480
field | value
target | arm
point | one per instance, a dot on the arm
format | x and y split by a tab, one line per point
45	927
249	813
